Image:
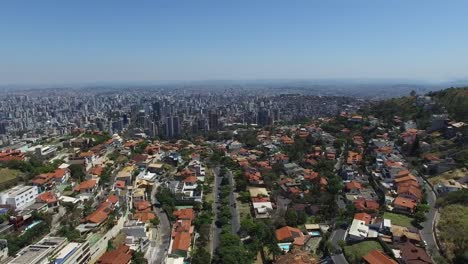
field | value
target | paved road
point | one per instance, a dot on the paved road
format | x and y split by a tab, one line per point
337	235
427	233
215	232
159	247
235	222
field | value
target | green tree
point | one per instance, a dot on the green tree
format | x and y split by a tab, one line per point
77	172
139	258
201	256
291	217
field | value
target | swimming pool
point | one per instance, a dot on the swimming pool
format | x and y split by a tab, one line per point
284	246
314	233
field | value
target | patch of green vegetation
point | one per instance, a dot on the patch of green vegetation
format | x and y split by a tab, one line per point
455	100
453	226
8	174
399	219
243	209
354	253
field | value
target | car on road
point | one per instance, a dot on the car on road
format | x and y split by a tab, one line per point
424	243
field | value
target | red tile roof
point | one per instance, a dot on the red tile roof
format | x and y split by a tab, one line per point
122	255
404	202
181	241
363	204
113	199
89	184
185	214
100	215
363	217
353	185
96	170
142	206
411	190
287	233
378	257
144	216
47	197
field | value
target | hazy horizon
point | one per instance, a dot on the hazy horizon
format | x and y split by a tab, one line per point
60	43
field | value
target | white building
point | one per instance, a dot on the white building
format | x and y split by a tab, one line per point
74	253
358	230
19	196
40	252
262	209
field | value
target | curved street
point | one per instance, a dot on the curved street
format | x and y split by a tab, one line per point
159	245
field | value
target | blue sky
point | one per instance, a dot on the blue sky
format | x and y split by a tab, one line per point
109	40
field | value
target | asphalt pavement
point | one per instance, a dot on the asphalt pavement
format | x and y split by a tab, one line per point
235	222
337	235
159	247
215	231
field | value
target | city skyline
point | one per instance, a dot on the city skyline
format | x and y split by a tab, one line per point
55	43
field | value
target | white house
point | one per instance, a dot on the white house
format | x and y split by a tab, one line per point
19	196
358	230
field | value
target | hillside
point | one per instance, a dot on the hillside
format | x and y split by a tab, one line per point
455	101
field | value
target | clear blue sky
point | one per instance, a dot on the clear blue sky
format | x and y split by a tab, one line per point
61	41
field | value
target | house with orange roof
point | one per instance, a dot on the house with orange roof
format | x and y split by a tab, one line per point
46	180
353	187
181	243
404	205
89	155
142	206
96	171
9	155
122	255
363	204
185	214
366	218
86	187
287	234
144	217
254	177
114	200
410	192
49	198
377	257
101	214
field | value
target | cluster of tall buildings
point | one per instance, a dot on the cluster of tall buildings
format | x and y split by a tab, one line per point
165	113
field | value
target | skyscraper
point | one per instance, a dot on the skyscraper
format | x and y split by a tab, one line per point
213	121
